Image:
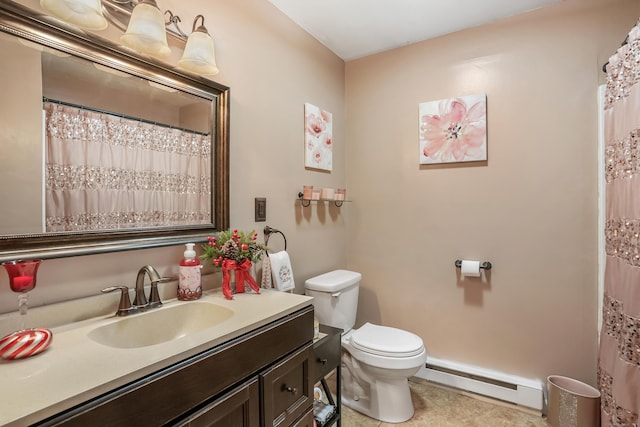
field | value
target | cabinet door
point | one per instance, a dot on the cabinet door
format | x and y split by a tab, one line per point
287	390
238	408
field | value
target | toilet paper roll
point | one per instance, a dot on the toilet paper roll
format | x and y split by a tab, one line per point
470	268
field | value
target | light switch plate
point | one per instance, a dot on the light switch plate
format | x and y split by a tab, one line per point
261	209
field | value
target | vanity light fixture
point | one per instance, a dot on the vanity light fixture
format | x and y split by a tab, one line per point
83	13
199	56
145	28
146	31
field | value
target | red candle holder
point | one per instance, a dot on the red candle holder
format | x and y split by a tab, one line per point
26	342
22	274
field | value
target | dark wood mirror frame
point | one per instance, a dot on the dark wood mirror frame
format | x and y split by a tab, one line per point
22	22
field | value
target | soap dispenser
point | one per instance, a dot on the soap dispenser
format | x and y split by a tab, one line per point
189	285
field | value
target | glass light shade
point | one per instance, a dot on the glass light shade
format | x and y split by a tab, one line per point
199	56
146	31
83	13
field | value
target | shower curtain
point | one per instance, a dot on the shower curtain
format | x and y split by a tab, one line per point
107	172
619	358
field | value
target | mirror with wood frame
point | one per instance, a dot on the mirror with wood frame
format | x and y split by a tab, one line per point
101	150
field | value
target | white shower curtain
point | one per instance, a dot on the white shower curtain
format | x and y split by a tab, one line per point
619	358
106	172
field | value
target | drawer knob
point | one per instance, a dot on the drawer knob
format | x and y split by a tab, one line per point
291	390
323	361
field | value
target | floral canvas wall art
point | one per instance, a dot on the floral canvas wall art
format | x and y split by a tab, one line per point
453	130
318	129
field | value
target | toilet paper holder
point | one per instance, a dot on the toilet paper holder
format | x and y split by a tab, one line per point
484	265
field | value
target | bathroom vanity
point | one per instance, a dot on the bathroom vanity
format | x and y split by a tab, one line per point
251	369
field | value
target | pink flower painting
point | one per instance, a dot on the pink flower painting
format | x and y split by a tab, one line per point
318	129
453	130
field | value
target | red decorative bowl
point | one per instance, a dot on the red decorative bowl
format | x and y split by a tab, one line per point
26	343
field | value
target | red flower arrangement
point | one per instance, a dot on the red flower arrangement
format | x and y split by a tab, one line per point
234	250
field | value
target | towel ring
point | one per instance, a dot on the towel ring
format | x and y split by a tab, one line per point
268	231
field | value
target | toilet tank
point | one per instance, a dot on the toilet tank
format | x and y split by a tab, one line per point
335	297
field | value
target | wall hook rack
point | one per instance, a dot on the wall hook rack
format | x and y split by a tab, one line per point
307	202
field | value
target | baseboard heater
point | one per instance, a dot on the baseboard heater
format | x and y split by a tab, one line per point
509	388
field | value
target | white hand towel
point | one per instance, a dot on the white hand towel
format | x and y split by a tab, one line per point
281	271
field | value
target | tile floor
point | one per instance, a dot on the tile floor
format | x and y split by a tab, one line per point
438	406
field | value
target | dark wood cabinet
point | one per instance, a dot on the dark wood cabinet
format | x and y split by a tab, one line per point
238	408
287	390
284	392
326	352
326	357
306	420
260	378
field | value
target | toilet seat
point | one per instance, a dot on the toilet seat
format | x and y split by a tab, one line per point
386	341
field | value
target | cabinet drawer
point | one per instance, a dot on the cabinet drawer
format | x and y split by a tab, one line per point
240	407
326	356
306	420
287	389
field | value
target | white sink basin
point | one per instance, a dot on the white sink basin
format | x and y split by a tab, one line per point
160	325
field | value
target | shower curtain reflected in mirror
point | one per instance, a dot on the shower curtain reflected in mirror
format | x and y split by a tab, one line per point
108	172
619	358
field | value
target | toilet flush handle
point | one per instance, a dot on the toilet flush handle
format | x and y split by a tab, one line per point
336	294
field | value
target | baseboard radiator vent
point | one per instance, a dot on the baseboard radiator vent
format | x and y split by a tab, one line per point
509	388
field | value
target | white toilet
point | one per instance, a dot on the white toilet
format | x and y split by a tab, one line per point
376	360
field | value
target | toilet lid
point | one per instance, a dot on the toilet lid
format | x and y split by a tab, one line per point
386	341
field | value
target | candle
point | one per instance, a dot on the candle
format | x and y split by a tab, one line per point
307	192
22	283
327	193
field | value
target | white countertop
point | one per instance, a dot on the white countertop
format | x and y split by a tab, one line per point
75	369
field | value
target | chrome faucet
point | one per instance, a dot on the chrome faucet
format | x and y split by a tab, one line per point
140	303
154	298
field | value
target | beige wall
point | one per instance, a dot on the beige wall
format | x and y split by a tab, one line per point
273	67
531	209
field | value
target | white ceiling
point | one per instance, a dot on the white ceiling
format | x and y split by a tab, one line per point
357	28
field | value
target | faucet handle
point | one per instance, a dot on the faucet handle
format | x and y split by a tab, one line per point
124	308
154	296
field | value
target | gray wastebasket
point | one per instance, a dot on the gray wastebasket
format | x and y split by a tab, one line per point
572	403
